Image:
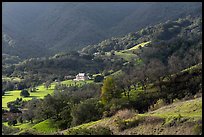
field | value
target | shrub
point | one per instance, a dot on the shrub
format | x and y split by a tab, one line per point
174	120
176	100
129	123
24	93
197	130
126	113
89	110
98	78
115	105
160	103
6	130
20	119
12	122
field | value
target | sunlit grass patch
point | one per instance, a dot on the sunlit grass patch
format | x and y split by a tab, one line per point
125	56
45	127
12	95
77	83
23	125
191	109
139	45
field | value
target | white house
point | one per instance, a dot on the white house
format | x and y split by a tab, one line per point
81	76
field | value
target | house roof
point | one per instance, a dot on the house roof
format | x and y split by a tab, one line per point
81	74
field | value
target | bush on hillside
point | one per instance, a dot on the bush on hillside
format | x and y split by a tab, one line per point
126	113
12	122
197	130
25	93
98	78
128	123
7	130
160	103
114	106
86	111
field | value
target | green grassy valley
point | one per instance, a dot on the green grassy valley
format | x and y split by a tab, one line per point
146	82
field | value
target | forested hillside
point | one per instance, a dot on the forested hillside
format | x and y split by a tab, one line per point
36	30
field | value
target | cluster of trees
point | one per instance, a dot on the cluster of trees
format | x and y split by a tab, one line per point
16	105
28	82
166	80
8	59
39	70
98	78
70	107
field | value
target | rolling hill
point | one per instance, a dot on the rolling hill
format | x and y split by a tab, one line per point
43	29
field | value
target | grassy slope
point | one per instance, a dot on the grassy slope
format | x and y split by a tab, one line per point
191	109
177	118
45	127
127	54
139	45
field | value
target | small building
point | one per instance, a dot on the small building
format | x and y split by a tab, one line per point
81	76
